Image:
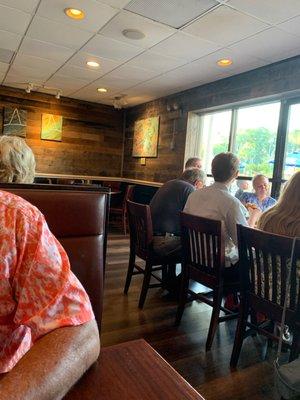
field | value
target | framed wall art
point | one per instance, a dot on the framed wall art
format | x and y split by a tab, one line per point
14	122
145	139
51	127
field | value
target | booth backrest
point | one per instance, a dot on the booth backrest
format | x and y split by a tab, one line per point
78	219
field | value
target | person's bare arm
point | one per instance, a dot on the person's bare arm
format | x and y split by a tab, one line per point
53	364
254	214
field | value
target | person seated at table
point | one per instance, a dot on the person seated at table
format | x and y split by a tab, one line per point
48	334
284	217
165	207
216	202
242	185
260	198
193	162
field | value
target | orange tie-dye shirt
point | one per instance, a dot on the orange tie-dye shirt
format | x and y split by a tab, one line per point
38	292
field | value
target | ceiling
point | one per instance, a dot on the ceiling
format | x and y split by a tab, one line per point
183	41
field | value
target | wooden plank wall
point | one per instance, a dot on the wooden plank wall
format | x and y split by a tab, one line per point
267	81
92	133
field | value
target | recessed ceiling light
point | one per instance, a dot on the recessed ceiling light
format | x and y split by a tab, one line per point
133	34
74	13
224	62
93	64
102	90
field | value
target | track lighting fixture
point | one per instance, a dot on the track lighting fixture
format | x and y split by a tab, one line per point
29	88
119	101
58	94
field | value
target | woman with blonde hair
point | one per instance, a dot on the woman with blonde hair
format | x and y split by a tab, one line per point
284	217
17	163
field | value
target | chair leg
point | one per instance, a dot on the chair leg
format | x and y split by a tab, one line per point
214	321
146	282
131	265
182	297
239	334
164	276
124	222
295	349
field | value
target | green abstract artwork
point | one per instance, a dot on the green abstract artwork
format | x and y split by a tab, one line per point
51	127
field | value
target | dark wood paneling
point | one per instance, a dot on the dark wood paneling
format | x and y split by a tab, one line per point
267	81
92	133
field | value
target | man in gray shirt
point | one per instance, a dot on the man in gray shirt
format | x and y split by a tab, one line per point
216	202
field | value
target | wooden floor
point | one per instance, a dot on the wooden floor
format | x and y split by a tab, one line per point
184	346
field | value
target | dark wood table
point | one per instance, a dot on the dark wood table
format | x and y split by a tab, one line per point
132	371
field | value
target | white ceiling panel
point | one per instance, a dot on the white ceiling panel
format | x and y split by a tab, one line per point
103	46
291	26
28	6
273	11
80	73
112	84
90	94
225	25
154	32
66	83
80	59
155	62
127	72
55	49
9	41
6	56
3	67
174	13
54	32
20	81
49	51
271	45
27	74
13	20
115	3
185	46
24	60
96	14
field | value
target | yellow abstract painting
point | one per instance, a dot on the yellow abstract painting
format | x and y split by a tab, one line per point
51	127
145	138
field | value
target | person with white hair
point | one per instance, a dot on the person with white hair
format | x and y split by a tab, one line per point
45	314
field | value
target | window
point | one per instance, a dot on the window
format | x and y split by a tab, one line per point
254	139
256	133
292	148
214	136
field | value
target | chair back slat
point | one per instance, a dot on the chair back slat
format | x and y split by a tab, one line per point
265	259
140	227
203	244
275	286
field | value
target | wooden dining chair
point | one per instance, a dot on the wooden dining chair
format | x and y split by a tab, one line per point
141	245
264	262
120	211
203	252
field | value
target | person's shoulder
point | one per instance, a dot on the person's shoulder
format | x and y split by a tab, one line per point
12	202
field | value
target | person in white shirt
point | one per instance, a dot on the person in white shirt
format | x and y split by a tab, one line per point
216	202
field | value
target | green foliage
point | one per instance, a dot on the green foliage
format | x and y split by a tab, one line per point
255	148
293	141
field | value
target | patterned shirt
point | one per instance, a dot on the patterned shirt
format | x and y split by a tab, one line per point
38	292
267	203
